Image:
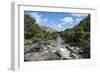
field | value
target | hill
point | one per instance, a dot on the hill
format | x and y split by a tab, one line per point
32	29
79	36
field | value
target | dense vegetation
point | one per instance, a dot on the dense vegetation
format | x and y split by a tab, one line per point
79	36
32	29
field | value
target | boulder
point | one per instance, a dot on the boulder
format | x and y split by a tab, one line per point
40	56
76	56
76	50
28	42
27	48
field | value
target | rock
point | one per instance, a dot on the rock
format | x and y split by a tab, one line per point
40	56
65	53
75	55
37	40
72	48
28	42
76	50
52	56
57	53
34	40
68	58
27	48
36	47
52	49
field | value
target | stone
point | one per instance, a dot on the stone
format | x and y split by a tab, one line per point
40	56
27	48
28	42
75	55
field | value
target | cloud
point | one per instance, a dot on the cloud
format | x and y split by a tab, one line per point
78	19
79	15
45	20
36	16
67	20
54	25
59	26
39	18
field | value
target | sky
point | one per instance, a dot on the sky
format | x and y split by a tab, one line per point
57	20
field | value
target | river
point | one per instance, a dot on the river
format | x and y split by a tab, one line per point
64	52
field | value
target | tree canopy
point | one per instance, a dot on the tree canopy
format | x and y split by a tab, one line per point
32	29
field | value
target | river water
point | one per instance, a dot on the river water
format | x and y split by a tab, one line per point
59	41
65	53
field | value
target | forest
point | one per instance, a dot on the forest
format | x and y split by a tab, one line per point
32	29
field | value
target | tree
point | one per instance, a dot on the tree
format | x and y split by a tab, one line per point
32	29
80	36
28	24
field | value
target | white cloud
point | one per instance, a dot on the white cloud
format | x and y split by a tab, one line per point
45	20
36	16
59	26
54	25
79	15
78	19
67	20
39	18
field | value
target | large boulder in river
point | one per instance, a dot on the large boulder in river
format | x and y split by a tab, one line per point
76	50
36	47
27	48
40	56
28	42
35	40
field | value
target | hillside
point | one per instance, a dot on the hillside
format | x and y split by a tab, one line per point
32	29
79	36
48	29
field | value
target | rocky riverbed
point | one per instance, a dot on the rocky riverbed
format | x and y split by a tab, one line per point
38	50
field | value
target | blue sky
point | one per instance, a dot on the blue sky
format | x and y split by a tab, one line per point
57	20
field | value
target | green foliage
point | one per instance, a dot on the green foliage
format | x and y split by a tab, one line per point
32	29
69	35
79	35
28	24
54	35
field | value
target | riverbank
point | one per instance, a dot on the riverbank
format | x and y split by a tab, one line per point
39	50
